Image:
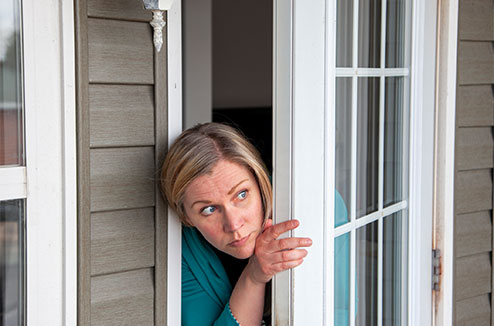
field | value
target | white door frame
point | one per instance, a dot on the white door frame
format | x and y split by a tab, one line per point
299	82
422	147
303	88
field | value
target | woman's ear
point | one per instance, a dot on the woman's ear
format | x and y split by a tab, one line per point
186	221
183	216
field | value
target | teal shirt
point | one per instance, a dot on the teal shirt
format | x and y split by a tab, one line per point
206	289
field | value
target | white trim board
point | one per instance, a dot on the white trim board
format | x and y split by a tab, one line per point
69	173
444	170
51	242
174	229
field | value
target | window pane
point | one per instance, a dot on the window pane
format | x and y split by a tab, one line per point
394	268
343	149
395	33
12	262
367	283
367	145
11	140
344	33
369	34
393	141
342	280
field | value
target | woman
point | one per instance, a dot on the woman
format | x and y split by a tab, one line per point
217	184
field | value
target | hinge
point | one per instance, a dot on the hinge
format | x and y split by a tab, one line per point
436	269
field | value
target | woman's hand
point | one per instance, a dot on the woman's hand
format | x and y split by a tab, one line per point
272	256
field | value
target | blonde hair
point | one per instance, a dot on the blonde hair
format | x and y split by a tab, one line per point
195	153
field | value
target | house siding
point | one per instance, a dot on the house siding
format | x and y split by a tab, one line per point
121	135
474	162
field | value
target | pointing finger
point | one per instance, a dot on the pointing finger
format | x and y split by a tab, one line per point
288	255
287	264
278	229
289	243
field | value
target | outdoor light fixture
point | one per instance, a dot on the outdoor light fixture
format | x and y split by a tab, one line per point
158	7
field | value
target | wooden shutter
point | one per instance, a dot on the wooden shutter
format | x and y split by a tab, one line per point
122	112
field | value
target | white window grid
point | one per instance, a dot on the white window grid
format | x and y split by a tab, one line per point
13	183
354	223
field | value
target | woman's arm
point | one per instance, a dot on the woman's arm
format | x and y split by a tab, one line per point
271	256
247	300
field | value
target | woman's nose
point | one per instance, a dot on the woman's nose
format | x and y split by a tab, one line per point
233	221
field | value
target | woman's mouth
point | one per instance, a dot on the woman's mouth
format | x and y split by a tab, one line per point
240	242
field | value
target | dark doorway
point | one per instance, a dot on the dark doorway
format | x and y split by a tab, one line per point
242	55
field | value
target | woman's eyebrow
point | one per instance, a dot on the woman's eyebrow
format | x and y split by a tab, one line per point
229	193
233	189
200	201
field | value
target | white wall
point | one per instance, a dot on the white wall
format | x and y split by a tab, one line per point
197	61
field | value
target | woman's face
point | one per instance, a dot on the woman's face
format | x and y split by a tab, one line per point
226	207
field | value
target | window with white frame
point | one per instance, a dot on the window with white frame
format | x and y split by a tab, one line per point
37	164
12	168
371	161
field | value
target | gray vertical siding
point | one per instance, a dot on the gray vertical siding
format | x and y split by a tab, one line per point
121	141
474	163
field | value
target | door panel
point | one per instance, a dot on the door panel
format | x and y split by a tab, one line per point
356	153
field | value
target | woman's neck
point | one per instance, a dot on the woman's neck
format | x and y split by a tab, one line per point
232	265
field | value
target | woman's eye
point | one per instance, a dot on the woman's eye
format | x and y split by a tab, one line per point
242	194
208	210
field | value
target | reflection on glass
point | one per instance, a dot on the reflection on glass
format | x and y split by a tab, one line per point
11	140
343	145
367	145
369	34
344	33
367	282
12	262
395	33
394	244
393	141
342	280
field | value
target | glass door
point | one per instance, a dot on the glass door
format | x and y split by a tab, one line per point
353	159
371	162
12	167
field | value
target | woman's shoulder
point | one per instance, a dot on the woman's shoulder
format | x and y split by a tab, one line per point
205	286
199	256
193	244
